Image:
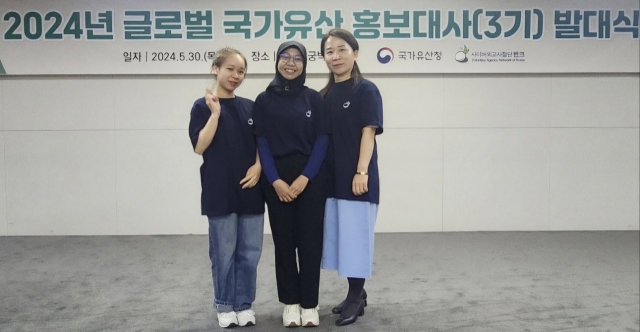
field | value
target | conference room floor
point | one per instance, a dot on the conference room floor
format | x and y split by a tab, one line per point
476	281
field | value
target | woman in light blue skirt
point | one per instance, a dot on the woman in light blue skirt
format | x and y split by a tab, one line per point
351	209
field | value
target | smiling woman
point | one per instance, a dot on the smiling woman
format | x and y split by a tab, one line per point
291	125
221	131
290	63
356	118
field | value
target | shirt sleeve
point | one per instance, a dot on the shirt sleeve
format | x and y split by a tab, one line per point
316	159
371	106
198	120
258	117
322	124
267	161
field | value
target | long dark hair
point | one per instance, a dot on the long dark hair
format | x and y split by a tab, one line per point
351	40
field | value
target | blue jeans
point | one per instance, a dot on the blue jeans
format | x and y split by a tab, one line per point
235	246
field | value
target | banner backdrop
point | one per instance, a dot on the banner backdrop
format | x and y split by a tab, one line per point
75	37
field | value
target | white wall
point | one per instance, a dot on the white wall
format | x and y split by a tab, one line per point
3	196
110	154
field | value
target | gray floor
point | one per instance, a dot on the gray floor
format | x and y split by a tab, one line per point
505	281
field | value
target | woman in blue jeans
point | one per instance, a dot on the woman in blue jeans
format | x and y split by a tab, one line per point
221	131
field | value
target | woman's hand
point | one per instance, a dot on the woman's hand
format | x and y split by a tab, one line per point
252	177
283	191
298	185
359	185
213	103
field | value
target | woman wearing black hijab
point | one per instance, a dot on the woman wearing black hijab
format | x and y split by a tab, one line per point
291	125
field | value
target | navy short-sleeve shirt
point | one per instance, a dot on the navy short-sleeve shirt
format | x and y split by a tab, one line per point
291	123
352	108
227	159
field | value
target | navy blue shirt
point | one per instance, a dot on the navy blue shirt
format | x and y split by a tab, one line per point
352	108
290	122
227	159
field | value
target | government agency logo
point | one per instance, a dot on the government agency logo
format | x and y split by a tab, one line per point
385	55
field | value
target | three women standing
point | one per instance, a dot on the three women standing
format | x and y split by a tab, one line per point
291	124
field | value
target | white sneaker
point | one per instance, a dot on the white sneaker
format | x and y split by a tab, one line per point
310	317
227	319
291	315
246	318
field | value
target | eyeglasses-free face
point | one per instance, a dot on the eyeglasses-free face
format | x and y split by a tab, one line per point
290	65
339	57
230	74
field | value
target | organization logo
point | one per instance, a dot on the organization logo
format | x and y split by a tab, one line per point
461	56
385	55
489	56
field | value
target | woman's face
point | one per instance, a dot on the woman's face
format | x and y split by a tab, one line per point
231	72
339	57
290	63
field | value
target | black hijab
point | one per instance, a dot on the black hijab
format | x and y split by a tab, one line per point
281	85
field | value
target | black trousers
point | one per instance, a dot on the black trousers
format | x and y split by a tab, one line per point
297	225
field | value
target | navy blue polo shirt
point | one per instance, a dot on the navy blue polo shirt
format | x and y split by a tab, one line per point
227	159
290	122
352	108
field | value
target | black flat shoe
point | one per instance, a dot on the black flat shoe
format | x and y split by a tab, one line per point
338	309
351	312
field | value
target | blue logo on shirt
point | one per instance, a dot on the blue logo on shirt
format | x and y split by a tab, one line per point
346	105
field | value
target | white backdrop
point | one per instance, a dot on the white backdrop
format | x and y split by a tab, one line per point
100	155
110	154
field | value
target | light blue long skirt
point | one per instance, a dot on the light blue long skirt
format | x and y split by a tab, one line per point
348	237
